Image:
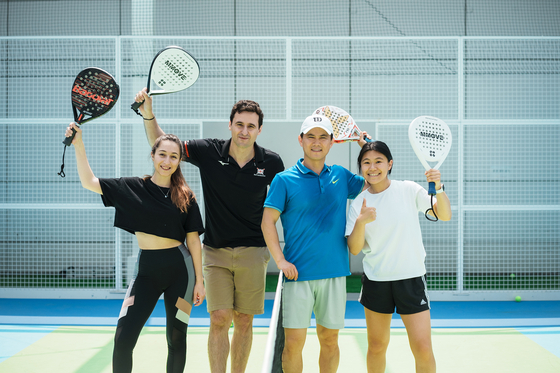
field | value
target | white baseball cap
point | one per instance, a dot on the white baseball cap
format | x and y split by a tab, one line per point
314	121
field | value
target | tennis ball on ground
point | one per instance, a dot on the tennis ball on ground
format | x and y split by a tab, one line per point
512	275
518	298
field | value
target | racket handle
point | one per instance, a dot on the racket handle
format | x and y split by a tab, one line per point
68	140
367	139
432	188
135	106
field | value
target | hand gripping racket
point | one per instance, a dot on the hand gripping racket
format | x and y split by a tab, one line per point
344	127
94	93
431	140
172	70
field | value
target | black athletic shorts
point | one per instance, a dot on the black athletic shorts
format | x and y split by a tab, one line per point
408	296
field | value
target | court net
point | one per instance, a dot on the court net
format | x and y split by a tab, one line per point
272	362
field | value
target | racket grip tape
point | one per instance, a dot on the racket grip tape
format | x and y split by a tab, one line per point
68	140
432	188
135	106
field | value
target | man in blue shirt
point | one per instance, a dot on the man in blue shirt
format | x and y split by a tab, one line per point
311	198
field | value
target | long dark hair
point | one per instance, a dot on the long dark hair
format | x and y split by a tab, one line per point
378	146
181	194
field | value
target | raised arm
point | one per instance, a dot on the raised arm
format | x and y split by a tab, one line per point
153	130
268	226
87	178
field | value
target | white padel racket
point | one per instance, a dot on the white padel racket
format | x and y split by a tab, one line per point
431	140
344	127
173	69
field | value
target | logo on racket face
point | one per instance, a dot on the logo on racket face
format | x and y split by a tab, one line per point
176	70
93	96
431	135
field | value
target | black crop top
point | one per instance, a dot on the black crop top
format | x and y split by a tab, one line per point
141	206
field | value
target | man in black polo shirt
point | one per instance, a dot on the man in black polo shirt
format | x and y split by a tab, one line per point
235	174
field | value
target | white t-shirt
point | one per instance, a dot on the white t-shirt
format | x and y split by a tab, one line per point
394	248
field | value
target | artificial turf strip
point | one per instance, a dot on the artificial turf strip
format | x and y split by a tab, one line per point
437	282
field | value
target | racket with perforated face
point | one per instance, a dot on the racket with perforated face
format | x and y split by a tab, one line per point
431	140
94	93
344	127
173	69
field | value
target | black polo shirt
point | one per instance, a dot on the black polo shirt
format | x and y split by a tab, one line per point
233	196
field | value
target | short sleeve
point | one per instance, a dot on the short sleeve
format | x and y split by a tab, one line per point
110	190
276	197
279	165
193	222
422	197
193	151
355	184
352	216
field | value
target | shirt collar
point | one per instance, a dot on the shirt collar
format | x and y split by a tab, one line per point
304	170
225	150
259	151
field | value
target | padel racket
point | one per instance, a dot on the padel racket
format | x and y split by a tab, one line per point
173	69
344	127
431	140
94	93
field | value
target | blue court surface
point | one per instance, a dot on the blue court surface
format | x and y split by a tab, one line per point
444	314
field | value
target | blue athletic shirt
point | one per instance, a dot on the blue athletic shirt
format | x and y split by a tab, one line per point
313	214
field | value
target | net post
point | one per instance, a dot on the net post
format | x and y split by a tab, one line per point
272	361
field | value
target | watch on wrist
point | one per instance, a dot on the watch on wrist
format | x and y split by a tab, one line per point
440	190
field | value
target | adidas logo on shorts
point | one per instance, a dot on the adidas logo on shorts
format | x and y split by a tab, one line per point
423	302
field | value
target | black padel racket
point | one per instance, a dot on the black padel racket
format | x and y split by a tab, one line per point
94	93
173	69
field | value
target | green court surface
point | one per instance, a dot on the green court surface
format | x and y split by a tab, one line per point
437	282
443	282
76	349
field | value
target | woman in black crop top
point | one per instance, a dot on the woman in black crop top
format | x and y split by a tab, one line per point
162	212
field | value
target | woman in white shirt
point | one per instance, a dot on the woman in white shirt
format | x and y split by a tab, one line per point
383	223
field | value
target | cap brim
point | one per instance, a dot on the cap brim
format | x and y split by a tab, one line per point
321	127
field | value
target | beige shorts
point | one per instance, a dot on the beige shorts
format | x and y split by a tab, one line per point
235	278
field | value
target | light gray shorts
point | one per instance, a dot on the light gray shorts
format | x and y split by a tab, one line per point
326	298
